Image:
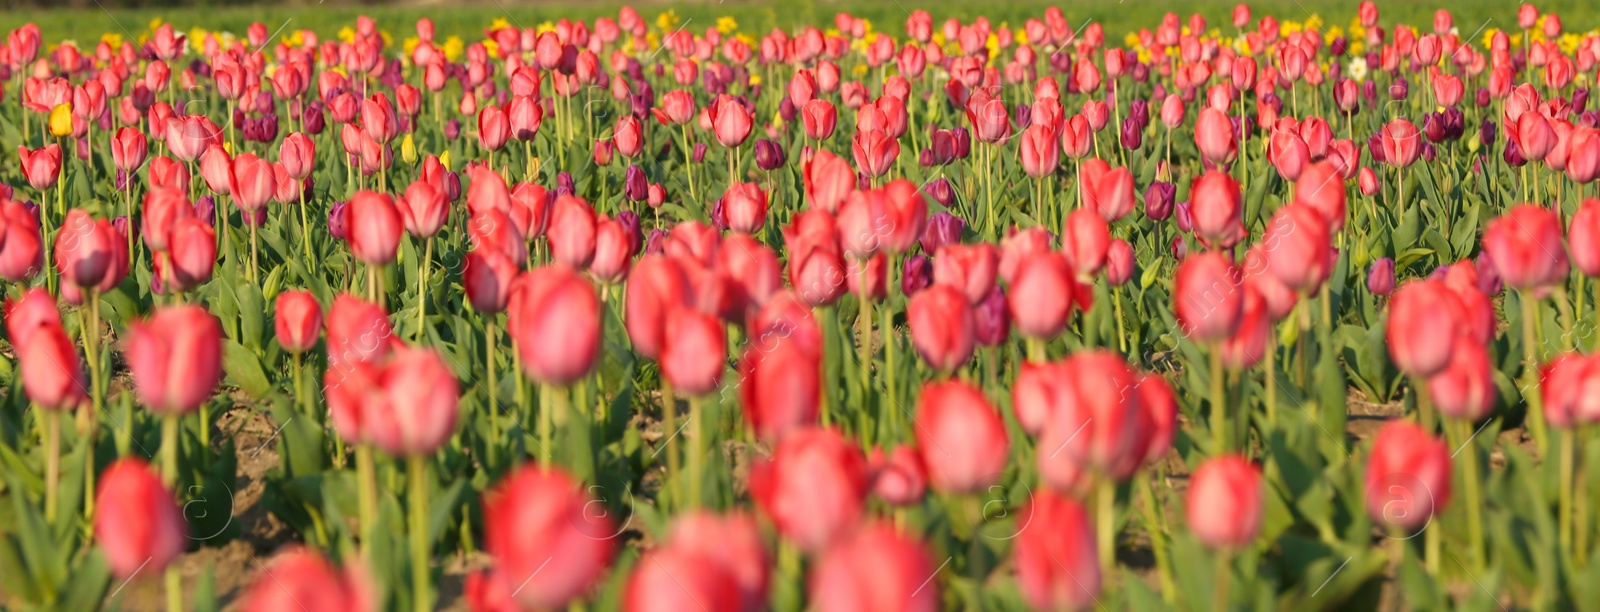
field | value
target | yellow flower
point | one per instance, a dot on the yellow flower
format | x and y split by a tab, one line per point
408	149
410	45
492	47
1314	22
859	70
197	39
866	25
755	79
61	120
453	47
387	39
347	34
726	25
667	20
111	39
544	26
155	23
1022	37
499	23
444	160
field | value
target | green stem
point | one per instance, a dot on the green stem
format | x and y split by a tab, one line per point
1474	494
1158	541
669	421
1564	491
174	590
169	449
546	425
367	492
1224	576
422	292
418	467
52	469
1219	407
697	451
864	356
96	400
1530	372
1105	519
491	340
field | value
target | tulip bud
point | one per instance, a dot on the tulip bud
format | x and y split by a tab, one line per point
298	321
1224	502
814	488
1380	277
142	528
1407	480
963	441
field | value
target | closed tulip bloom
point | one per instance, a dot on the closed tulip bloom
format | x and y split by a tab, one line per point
423	208
963	441
495	230
216	169
554	321
1407	480
298	154
732	542
536	515
1214	135
1584	237
253	184
494	128
876	568
1322	188
669	579
1041	151
1217	210
191	253
828	180
84	249
1085	239
22	252
1298	244
1465	388
656	287
1422	327
1526	247
613	251
297	321
1534	135
36	308
1112	194
730	122
1223	505
1248	344
693	351
875	152
745	205
523	118
486	278
146	531
898	478
413	412
357	331
572	231
42	166
1380	277
301	578
1206	297
1402	143
1042	295
1120	263
677	108
942	327
52	375
175	356
375	226
813	488
1058	567
128	149
971	268
779	386
819	117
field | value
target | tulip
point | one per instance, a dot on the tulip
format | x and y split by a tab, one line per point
1223	504
300	577
1217	210
52	375
1084	241
375	227
35	309
554	321
828	179
191	253
1056	563
128	149
670	578
1322	188
175	357
423	209
745	205
1041	298
779	384
1041	151
297	321
536	515
1248	344
1206	298
146	531
963	441
693	351
730	122
1297	239
819	117
1402	143
1214	135
42	166
413	410
1380	277
572	231
1526	247
1407	480
942	327
85	248
970	268
876	568
494	128
813	489
1422	328
1465	388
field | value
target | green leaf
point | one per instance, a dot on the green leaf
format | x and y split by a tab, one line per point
244	369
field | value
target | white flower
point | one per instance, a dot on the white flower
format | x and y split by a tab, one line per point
1358	69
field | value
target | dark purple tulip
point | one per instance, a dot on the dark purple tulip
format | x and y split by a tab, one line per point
1590	119
941	191
33	209
1339	46
1184	220
769	154
123	226
255	218
1132	134
1580	100
1433	127
963	142
564	184
1245	124
1272	100
992	319
337	220
1399	89
1380	277
82	148
1487	132
639	106
699	152
452	129
452	185
1375	149
314	119
629	221
634	187
925	158
1062	62
916	274
1141	72
1158	200
122	181
206	209
1369	89
943	228
1483	97
1513	154
786	110
1022	118
1488	276
1140	111
719	217
656	244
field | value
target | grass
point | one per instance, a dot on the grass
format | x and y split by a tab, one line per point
759	16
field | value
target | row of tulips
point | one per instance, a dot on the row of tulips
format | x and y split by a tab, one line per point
942	319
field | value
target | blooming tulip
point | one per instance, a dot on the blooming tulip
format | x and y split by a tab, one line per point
175	356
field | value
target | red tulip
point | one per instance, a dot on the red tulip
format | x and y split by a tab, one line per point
874	152
1085	240
530	209
732	542
413	409
677	108
988	116
374	226
970	268
1402	143
1120	262
252	184
554	320
899	478
298	321
1298	244
302	579
191	253
572	231
1321	187
745	206
1422	327
145	531
1584	238
613	251
168	174
35	309
656	287
1217	210
1214	135
1533	134
817	269
494	129
1224	502
942	327
814	488
216	169
1465	388
963	442
752	265
535	516
493	230
779	384
1408	477
42	166
22	252
524	117
85	249
1206	297
486	278
1526	247
877	568
693	351
1111	195
1041	151
188	137
175	356
730	122
52	375
378	119
629	136
128	149
1088	412
828	179
1077	139
670	579
423	208
1057	564
1248	344
819	117
1041	295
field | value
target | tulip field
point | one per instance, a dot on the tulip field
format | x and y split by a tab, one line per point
1255	309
